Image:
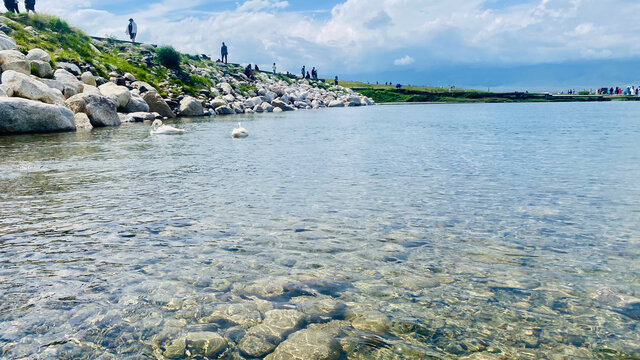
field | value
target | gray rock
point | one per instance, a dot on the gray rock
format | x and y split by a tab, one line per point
88	78
190	106
126	118
266	107
263	338
142	86
119	94
72	85
253	102
41	68
90	89
6	42
20	116
129	77
143	116
226	88
14	60
318	342
224	110
72	68
2	92
216	103
374	322
277	110
176	349
336	103
353	101
205	343
82	122
38	54
157	104
244	314
101	110
282	105
136	104
29	88
319	308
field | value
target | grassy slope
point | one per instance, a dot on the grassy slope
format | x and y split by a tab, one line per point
62	42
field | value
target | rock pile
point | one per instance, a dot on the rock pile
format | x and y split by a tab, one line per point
77	99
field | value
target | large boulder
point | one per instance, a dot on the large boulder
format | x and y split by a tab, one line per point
72	85
88	78
101	110
41	68
38	54
29	88
136	104
119	94
157	104
14	60
92	90
266	107
282	105
6	42
205	343
190	106
21	116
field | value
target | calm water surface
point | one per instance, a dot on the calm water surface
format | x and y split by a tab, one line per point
436	231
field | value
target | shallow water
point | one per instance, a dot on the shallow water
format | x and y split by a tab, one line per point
436	231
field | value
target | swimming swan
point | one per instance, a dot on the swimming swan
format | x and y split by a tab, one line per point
158	128
239	132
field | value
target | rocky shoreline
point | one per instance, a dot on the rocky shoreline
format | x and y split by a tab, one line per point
40	95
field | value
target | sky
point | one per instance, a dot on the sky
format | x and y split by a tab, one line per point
498	44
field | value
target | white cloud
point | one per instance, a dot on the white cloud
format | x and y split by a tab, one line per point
361	35
407	60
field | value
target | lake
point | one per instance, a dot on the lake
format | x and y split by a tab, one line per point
390	232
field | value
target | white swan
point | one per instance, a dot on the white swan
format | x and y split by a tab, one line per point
239	132
158	128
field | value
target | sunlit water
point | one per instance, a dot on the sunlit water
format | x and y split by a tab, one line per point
436	231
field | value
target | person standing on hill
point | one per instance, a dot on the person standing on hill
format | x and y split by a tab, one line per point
30	5
225	53
274	68
304	71
132	30
12	6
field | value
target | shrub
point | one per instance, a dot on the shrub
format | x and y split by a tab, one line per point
169	57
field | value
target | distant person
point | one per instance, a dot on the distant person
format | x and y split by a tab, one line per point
30	5
12	6
274	68
335	81
313	73
225	53
308	76
248	72
304	71
132	30
257	68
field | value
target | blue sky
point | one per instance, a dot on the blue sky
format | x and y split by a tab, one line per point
429	42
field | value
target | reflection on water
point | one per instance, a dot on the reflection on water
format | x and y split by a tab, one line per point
442	231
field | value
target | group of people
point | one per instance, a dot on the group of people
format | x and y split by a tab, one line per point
628	91
12	6
306	75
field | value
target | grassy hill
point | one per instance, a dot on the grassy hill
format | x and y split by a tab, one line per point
66	43
420	94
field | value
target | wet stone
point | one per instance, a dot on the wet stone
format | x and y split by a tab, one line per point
319	308
317	342
176	349
263	338
374	322
205	343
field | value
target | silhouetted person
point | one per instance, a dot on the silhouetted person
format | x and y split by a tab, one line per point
274	68
30	5
132	30
308	76
225	53
304	72
248	72
335	81
257	68
12	6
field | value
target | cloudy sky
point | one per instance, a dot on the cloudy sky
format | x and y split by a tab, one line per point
479	43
